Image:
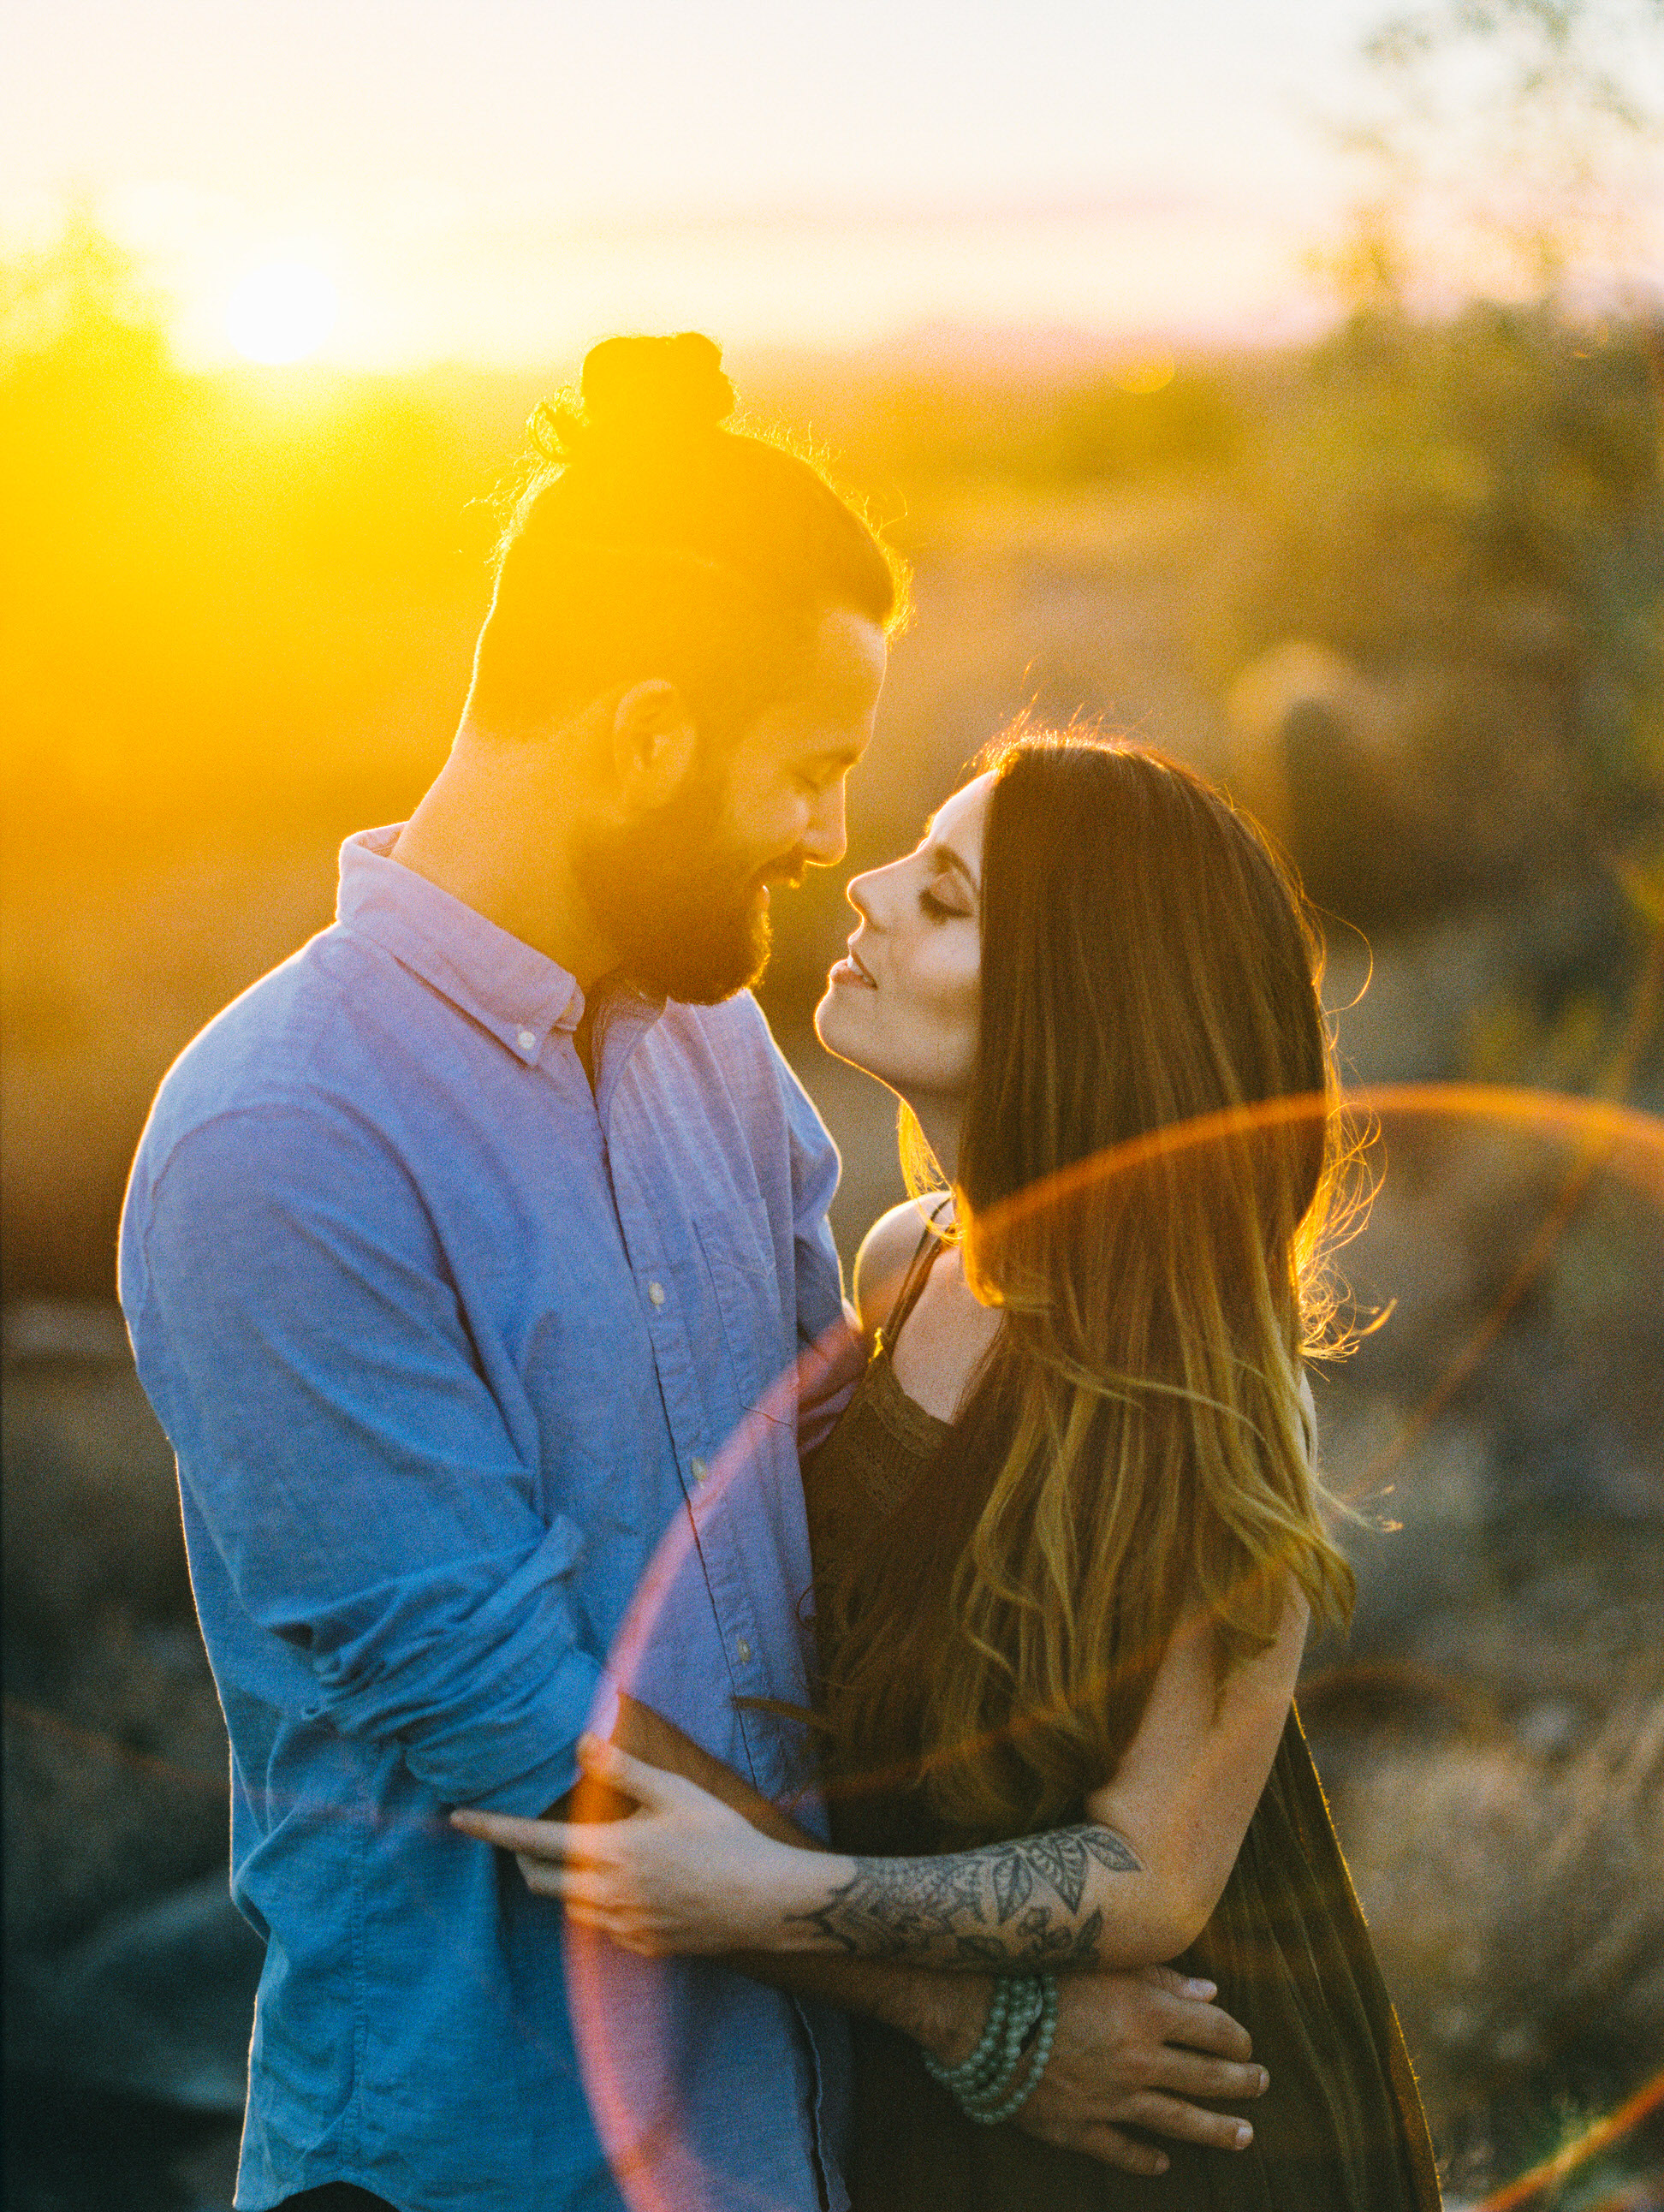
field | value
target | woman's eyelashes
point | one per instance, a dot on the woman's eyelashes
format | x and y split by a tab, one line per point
939	909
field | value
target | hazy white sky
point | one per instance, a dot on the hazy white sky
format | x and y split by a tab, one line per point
495	178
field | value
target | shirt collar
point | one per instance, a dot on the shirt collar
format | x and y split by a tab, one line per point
510	989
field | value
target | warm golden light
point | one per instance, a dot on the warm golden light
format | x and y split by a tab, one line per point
1152	373
281	312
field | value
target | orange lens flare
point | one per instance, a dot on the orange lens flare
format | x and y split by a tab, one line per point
1595	2139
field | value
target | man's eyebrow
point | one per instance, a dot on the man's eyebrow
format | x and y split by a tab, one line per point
838	756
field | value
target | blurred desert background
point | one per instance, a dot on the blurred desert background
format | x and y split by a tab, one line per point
1389	561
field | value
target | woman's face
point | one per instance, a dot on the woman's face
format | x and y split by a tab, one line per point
904	1005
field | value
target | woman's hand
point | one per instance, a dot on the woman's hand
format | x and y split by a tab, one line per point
683	1873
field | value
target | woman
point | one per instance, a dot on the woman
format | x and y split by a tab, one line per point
1066	1536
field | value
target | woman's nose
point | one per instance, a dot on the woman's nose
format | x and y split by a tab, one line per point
874	895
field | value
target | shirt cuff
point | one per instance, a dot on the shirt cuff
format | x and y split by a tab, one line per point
580	1685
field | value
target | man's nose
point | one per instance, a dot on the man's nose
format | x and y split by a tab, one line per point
826	840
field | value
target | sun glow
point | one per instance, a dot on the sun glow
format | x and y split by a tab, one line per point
281	312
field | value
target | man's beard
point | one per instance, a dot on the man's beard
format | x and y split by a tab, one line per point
671	895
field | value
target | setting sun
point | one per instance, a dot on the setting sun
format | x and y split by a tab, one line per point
281	312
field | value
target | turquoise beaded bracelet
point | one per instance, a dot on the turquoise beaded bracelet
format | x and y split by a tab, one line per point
991	2117
991	2061
1024	2007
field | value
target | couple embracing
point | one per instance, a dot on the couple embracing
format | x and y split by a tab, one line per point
950	1839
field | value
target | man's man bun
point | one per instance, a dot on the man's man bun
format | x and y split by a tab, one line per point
676	381
653	537
639	392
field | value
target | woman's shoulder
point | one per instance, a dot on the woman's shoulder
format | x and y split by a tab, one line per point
886	1252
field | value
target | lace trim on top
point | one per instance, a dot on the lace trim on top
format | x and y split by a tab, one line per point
904	1417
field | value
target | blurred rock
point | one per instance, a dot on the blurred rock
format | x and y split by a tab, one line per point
158	2003
74	2147
115	1751
116	1786
77	1329
130	1975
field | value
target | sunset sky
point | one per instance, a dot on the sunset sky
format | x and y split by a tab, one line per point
496	180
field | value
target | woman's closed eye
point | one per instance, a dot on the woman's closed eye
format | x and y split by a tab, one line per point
939	909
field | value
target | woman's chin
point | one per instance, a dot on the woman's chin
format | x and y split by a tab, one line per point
837	1030
825	1018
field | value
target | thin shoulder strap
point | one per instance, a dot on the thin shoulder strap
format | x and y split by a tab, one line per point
913	1282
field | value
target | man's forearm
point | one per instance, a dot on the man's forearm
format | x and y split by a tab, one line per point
945	2012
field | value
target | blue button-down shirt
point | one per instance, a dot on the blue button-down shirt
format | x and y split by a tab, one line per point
446	1342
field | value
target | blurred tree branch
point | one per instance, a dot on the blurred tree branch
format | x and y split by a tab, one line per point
1460	512
82	290
1509	147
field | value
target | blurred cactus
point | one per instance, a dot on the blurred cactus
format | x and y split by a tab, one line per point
1463	500
1469	515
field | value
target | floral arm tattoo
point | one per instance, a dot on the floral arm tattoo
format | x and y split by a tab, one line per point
1016	1904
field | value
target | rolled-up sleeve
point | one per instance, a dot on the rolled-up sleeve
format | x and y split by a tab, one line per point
297	1329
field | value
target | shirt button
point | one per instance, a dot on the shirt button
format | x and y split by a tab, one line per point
696	1468
744	1649
528	1038
656	1292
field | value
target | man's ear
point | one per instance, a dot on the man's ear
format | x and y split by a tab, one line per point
654	739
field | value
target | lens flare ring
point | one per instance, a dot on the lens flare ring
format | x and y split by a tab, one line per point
657	2171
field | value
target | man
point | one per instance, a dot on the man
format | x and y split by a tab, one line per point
455	1250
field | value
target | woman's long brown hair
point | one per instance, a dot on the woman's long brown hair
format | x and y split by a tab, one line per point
1149	1163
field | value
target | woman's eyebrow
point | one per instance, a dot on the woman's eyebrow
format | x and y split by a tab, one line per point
945	857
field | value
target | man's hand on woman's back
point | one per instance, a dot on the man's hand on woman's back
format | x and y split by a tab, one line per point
1131	2051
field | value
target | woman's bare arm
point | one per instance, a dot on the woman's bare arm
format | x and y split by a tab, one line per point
1035	1901
1130	1887
886	1252
1134	1883
645	1735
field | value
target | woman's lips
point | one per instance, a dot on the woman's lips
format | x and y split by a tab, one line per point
850	971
